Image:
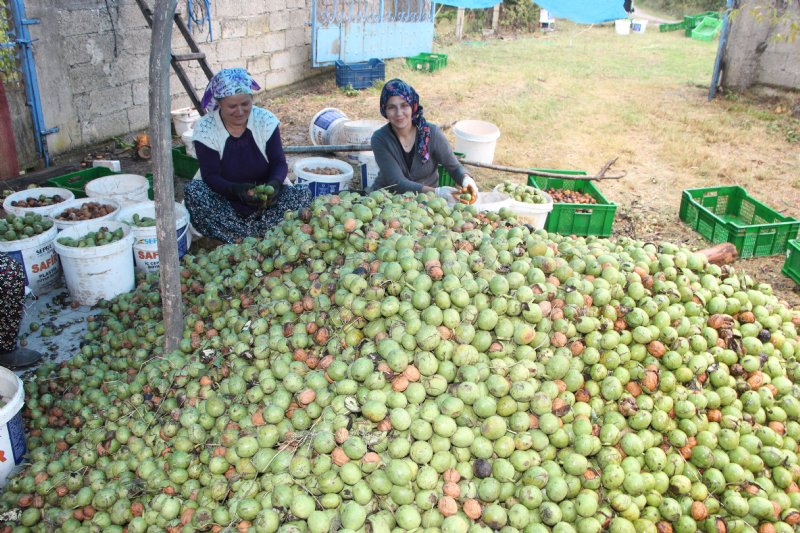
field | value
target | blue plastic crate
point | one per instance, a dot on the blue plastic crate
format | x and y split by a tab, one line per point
359	75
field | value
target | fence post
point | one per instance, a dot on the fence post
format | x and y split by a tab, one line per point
496	17
460	23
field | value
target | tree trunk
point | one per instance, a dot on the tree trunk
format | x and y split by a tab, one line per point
496	17
721	254
163	184
460	23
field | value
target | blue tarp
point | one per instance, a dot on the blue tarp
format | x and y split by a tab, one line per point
585	11
470	4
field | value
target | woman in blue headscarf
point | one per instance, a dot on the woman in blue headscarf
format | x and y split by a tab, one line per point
409	148
238	147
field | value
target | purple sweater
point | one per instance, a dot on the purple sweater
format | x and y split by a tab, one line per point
242	163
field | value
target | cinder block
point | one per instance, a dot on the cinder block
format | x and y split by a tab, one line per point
77	49
257	25
138	117
280	60
258	65
233	28
279	79
252	47
130	16
300	55
82	21
295	37
87	77
135	40
275	41
104	127
278	21
141	92
228	49
127	68
106	101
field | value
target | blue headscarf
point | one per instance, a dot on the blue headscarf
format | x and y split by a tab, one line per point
227	82
397	87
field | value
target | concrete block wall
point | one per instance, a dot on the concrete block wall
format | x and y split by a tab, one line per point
92	61
758	51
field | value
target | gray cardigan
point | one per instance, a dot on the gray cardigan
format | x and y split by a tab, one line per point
396	176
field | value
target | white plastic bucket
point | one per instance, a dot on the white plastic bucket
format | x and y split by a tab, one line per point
476	139
126	189
39	259
145	244
360	131
492	201
622	26
320	184
78	202
100	271
369	169
66	194
638	25
326	127
187	138
12	430
183	119
533	214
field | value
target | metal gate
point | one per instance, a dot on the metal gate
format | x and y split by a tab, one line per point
358	30
21	86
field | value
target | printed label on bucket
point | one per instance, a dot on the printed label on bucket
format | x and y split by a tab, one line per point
145	251
16	436
41	266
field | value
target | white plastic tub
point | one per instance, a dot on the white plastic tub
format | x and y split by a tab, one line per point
183	119
320	184
492	201
100	271
326	127
126	189
369	169
145	244
66	194
638	25
622	26
78	202
476	139
187	138
39	259
12	430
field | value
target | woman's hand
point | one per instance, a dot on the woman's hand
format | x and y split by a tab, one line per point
240	191
468	185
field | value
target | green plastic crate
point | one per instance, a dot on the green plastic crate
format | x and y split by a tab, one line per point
670	26
791	267
76	181
185	166
729	214
445	179
427	62
577	219
690	22
707	30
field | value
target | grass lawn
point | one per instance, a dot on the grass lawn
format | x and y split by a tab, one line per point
582	95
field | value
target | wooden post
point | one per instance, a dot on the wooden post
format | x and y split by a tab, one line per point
460	23
496	18
163	184
9	163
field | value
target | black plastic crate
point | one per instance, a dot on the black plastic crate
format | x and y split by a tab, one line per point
360	75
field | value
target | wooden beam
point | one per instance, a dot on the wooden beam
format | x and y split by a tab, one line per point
163	180
38	177
496	17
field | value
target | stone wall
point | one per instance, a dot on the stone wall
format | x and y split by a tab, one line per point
92	60
760	50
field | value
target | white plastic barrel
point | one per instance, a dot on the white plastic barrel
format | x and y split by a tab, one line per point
476	139
622	26
78	202
99	271
12	430
38	257
124	188
66	194
326	127
320	184
183	119
145	244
